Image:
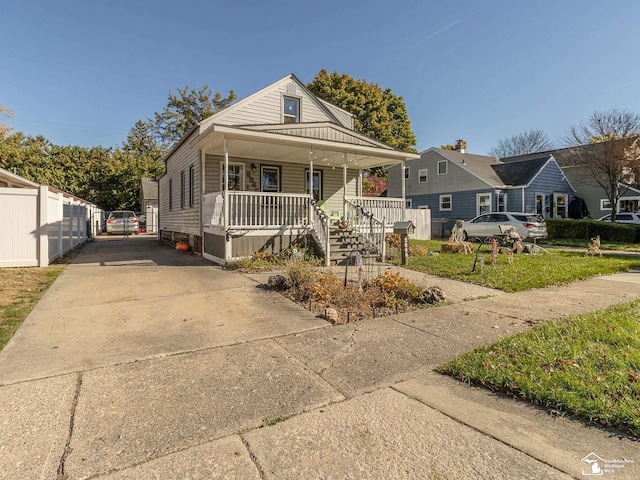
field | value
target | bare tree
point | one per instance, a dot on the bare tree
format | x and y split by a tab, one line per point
4	128
608	145
533	141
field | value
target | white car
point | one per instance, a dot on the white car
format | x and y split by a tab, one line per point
122	221
622	217
528	225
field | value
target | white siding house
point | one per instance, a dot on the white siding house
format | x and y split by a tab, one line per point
239	181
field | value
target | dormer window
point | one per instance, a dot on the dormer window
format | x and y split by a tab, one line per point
291	111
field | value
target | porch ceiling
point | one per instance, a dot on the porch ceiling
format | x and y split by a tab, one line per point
250	144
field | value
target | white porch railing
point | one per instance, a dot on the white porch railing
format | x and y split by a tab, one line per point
257	210
367	225
389	209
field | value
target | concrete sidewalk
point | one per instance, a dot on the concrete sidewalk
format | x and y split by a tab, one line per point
142	362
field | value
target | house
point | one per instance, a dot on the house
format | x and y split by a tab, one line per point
572	161
456	184
40	223
148	198
263	173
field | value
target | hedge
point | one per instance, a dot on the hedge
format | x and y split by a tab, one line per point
587	229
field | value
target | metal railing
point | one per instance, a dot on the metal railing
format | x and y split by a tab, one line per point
368	226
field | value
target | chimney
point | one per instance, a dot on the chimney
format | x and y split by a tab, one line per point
461	146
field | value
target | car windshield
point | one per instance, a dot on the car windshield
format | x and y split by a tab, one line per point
529	218
121	215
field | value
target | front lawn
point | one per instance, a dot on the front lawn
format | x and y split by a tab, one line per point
526	272
587	366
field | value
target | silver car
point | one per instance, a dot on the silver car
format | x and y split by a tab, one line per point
122	221
528	225
622	217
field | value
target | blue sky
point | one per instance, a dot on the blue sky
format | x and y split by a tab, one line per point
83	72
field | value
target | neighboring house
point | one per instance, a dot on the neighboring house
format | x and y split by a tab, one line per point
455	184
148	199
40	223
250	177
572	161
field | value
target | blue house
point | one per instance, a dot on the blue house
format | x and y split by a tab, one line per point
455	184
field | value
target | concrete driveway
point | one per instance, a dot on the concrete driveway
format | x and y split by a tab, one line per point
142	362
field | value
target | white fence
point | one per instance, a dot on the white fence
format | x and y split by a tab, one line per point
421	218
38	225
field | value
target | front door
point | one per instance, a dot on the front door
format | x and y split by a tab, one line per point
316	189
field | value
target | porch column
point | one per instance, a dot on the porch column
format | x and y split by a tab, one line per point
360	180
203	161
344	186
225	183
310	184
402	182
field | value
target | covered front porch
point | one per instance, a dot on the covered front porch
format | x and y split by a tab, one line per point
263	188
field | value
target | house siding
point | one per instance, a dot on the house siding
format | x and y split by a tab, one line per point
267	107
177	219
550	180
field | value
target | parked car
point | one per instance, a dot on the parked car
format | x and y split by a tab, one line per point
623	217
122	221
528	225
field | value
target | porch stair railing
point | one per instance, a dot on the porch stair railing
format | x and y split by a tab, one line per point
368	226
320	230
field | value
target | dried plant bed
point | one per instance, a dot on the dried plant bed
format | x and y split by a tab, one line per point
587	366
327	295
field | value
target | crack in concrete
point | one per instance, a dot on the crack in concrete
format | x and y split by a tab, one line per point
60	475
253	457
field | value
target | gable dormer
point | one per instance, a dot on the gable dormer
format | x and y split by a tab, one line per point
286	101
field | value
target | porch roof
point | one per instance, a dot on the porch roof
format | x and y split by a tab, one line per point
269	143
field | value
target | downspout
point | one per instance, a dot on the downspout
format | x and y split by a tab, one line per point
344	186
404	190
203	161
523	205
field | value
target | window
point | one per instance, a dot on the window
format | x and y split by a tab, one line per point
182	188
423	207
291	110
540	204
445	202
170	194
406	173
317	184
561	205
483	203
407	202
502	202
422	175
605	204
192	193
442	167
269	179
236	176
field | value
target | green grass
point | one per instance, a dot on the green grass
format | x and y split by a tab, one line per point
20	290
587	366
526	272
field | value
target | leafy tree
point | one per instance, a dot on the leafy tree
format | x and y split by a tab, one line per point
378	113
613	156
533	141
185	110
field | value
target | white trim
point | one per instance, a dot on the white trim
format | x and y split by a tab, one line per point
446	167
450	202
223	178
504	206
556	196
602	204
478	205
298	117
426	175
